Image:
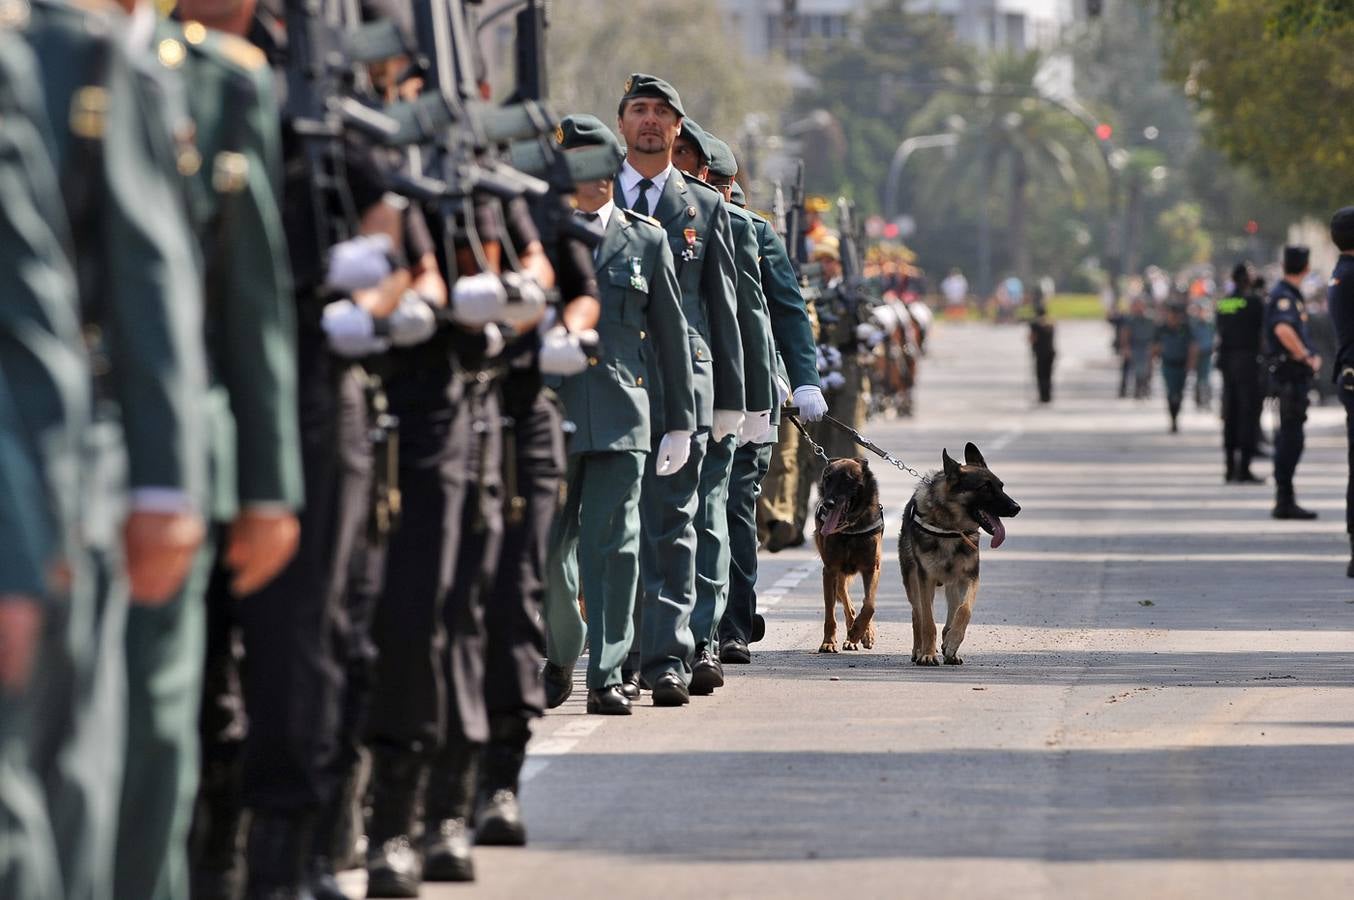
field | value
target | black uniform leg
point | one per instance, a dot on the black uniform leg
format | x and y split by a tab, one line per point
1288	445
1043	371
1347	398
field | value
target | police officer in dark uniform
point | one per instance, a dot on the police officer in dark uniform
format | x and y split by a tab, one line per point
1041	344
1340	299
1240	319
1292	364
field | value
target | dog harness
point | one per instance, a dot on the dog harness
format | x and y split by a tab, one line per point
970	537
870	527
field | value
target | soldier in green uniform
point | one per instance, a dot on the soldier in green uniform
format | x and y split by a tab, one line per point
645	355
691	154
233	166
796	364
699	236
44	380
139	286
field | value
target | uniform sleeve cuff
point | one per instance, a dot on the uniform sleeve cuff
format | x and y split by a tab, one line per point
160	500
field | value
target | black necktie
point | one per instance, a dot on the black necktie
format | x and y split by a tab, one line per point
641	204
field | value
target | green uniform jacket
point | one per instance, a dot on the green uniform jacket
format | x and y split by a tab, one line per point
140	283
254	445
44	377
699	236
759	351
644	371
789	314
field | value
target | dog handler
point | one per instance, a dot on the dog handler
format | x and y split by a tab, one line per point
1340	299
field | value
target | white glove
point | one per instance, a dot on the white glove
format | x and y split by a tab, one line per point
526	300
885	317
358	263
477	300
493	341
562	353
351	330
782	391
869	334
833	380
727	422
811	402
412	322
673	452
755	428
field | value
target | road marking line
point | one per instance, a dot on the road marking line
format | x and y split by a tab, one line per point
1004	440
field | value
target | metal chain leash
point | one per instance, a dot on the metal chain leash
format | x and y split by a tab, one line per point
859	439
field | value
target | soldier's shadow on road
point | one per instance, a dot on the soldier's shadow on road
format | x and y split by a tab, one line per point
1227	802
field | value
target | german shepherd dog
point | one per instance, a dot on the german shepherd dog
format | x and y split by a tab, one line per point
850	541
939	546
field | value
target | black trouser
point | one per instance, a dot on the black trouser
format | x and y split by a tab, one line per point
1347	398
1288	443
428	627
1043	374
1241	396
533	464
289	679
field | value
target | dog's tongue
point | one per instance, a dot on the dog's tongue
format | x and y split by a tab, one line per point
833	523
998	532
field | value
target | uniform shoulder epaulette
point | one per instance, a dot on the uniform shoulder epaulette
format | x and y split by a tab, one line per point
692	179
640	217
221	46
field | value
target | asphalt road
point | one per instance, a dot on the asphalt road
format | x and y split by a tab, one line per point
1157	701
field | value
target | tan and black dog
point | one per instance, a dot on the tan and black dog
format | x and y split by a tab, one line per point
850	541
939	546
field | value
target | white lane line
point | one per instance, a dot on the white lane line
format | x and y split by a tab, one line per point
1004	440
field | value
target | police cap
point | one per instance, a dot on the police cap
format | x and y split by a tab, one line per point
1342	228
722	162
583	130
737	196
692	132
641	85
1295	259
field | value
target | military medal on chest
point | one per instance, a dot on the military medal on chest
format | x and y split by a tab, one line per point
690	252
636	276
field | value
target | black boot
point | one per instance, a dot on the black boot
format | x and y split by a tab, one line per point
446	822
279	847
1286	505
394	868
1229	467
216	842
1350	571
498	817
1244	474
336	832
559	684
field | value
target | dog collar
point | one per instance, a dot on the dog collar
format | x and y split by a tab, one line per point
968	537
876	524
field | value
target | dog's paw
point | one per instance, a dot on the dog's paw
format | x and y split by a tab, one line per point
953	660
867	641
849	644
827	647
926	659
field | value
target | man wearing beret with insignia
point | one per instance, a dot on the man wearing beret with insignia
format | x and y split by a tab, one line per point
796	360
644	358
693	215
692	154
1293	363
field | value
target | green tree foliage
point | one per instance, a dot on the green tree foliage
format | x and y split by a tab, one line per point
594	47
873	82
1273	81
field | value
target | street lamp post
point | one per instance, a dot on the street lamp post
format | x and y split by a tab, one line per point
900	158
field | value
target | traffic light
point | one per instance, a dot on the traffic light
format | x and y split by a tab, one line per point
1104	131
1252	226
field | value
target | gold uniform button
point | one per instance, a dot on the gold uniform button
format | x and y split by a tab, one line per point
195	32
640	380
592	361
643	335
171	53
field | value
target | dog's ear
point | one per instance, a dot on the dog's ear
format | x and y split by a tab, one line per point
972	457
951	467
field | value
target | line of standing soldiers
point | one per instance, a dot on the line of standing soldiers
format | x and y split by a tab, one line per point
200	398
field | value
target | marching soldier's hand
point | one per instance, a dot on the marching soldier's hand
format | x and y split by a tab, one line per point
20	631
673	452
782	391
727	422
359	263
160	548
477	300
563	353
412	322
526	300
811	402
351	330
262	542
756	426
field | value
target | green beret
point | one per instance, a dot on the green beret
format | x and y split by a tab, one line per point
583	130
737	196
721	158
698	136
641	85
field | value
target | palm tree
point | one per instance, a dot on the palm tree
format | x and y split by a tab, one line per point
1007	129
